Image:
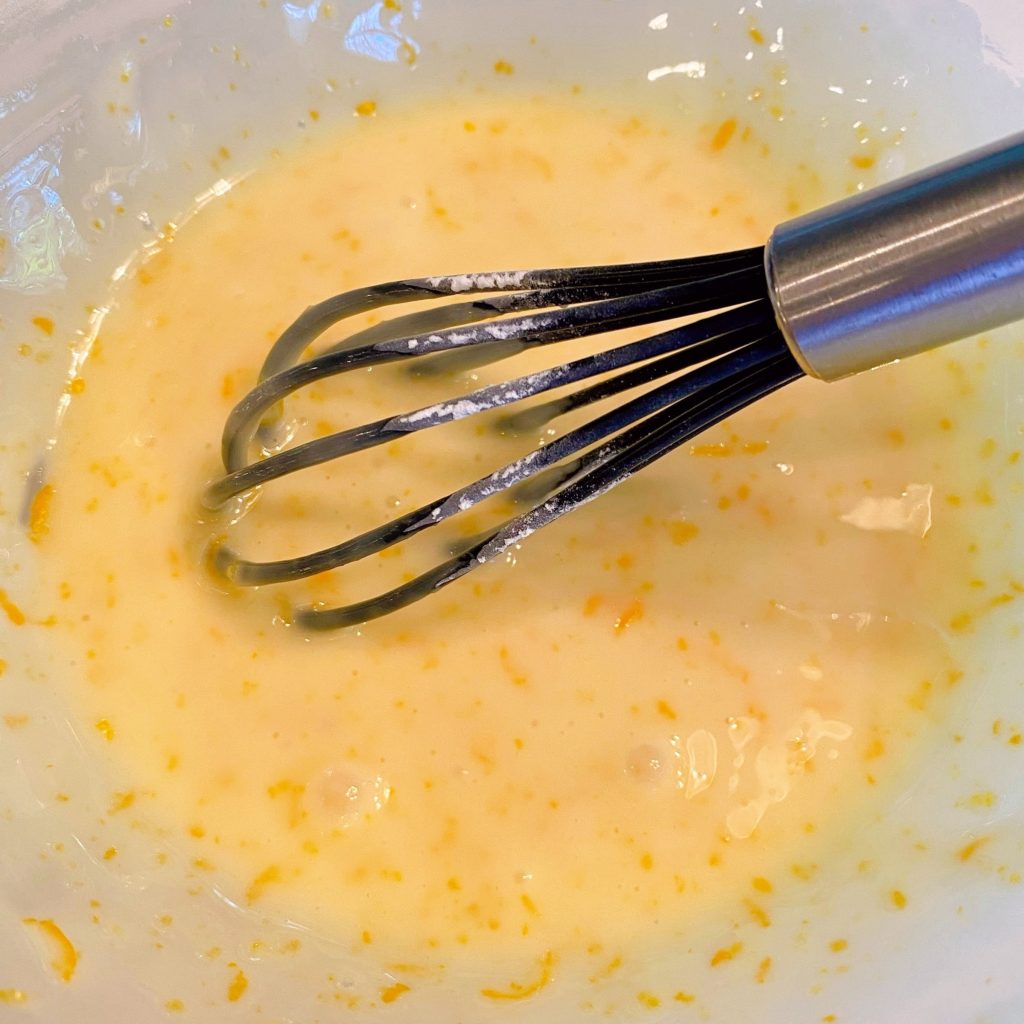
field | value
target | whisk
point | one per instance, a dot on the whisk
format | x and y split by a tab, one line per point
879	276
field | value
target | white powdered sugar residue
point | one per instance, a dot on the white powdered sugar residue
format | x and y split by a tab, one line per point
499	281
502	330
443	412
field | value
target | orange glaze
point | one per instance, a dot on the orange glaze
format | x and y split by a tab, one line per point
655	707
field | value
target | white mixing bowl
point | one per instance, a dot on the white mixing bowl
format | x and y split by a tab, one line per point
103	106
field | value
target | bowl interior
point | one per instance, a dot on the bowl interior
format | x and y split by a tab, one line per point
104	107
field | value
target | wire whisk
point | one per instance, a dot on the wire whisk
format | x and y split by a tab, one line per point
869	280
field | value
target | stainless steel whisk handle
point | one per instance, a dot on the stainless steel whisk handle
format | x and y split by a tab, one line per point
885	274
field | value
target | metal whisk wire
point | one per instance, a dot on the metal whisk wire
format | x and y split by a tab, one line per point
732	358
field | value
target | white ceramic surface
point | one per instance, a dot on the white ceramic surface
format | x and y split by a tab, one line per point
944	74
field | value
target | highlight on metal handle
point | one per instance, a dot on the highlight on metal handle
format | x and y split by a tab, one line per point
885	274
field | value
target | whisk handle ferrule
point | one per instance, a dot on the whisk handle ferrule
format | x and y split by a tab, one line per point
887	273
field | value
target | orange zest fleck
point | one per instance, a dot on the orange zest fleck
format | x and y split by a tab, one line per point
65	956
761	884
502	67
876	748
630	614
961	622
727	449
718	450
45	324
292	792
967	852
726	954
762	970
11	610
681	531
648	999
517	677
12	995
236	988
366	108
105	729
39	514
898	898
121	802
266	877
607	971
519	990
984	799
393	992
759	914
723	134
666	710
